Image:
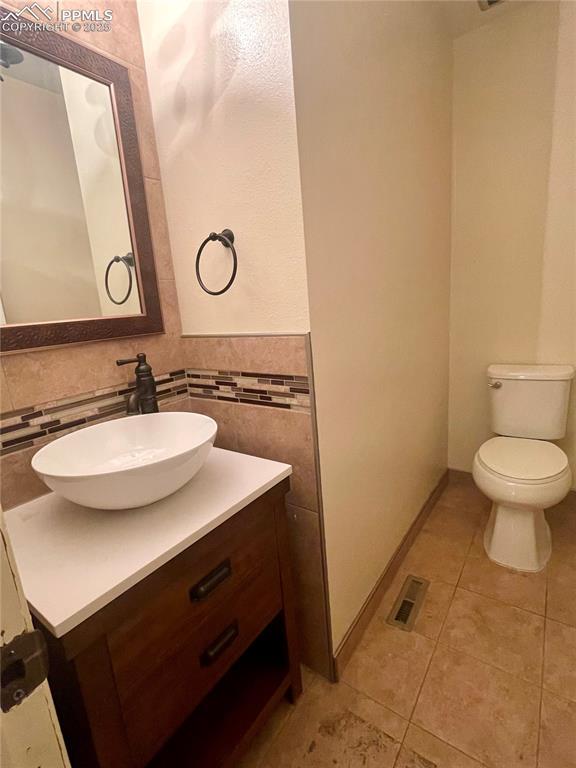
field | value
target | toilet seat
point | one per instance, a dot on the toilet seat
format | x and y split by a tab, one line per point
523	460
517	534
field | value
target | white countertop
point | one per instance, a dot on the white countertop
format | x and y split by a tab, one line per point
74	560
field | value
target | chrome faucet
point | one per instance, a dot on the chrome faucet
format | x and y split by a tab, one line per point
143	400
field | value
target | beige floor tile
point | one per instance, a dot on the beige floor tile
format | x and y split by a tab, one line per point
256	754
499	634
558	733
562	566
561	604
562	521
389	665
455	523
335	725
436	558
308	677
480	574
483	711
463	494
432	611
422	750
560	659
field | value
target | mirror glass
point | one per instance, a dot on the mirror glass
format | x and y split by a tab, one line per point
63	203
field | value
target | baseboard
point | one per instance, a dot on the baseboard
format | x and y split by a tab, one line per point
356	631
459	474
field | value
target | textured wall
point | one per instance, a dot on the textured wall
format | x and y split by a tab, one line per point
374	138
514	201
221	83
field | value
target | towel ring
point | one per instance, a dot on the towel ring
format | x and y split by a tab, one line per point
226	237
128	262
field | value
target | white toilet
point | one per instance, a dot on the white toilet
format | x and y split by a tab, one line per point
520	470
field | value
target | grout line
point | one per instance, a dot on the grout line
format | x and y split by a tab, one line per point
539	726
424	676
344	683
469	550
438	643
559	621
448	744
437	637
491	597
560	696
501	602
266	749
489	664
273	738
510	605
482	660
546	620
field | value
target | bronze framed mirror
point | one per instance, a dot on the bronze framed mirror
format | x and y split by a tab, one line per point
76	251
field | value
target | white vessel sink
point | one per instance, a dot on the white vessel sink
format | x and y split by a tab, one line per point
128	462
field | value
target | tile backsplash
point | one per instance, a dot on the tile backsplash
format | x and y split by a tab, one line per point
37	424
275	390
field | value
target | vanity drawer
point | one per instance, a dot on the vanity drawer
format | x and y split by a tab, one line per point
217	567
169	691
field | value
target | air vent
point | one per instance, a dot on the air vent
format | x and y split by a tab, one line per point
408	603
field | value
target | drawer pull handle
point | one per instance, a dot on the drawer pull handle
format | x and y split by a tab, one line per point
219	645
209	583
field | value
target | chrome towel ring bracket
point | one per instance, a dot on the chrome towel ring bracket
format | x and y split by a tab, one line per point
129	263
226	237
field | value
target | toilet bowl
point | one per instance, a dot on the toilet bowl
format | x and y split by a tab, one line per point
522	477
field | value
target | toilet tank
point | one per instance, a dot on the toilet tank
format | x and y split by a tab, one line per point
530	400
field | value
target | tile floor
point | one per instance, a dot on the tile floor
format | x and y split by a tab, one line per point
487	678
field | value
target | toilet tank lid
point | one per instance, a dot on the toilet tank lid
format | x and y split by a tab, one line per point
532	372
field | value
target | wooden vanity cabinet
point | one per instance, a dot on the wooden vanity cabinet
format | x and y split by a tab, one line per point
184	667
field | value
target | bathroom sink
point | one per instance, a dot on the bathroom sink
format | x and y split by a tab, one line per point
128	462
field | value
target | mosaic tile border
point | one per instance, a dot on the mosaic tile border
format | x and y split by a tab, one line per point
38	424
271	389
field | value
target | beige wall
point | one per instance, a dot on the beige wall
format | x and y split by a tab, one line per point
513	222
221	83
372	88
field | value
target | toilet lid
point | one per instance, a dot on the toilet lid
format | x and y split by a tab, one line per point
523	459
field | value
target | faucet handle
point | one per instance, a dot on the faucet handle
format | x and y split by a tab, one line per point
140	359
